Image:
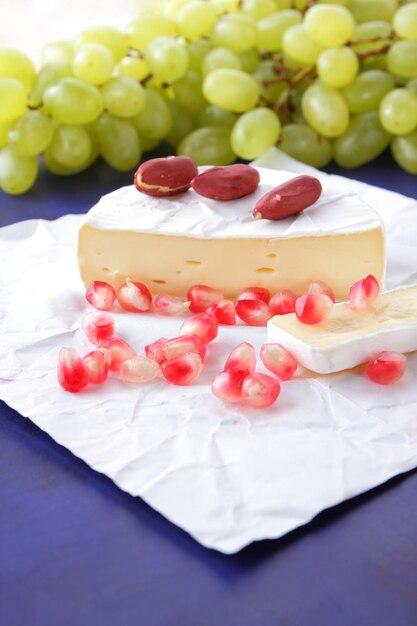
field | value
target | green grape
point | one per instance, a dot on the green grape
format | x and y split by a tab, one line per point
362	142
17	173
70	146
412	86
402	59
370	10
404	151
31	134
146	28
249	60
337	67
367	90
398	112
378	31
405	21
196	19
123	96
71	101
282	5
297	44
188	92
215	116
15	64
93	63
325	109
57	52
220	58
197	51
271	29
255	132
119	142
236	32
226	6
304	144
172	7
154	121
258	8
208	146
62	170
345	3
47	76
12	99
4	133
265	73
167	58
108	36
232	90
329	25
182	123
134	67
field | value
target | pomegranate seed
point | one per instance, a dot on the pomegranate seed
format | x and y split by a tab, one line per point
203	324
201	297
183	369
260	390
164	304
98	327
100	295
120	351
242	357
363	293
253	312
155	350
98	363
319	286
255	293
228	385
283	302
185	343
224	312
139	369
72	372
278	360
312	308
134	297
386	368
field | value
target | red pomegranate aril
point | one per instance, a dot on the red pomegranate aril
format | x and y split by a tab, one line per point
224	312
164	304
134	297
185	343
386	368
319	286
98	327
201	297
278	360
100	295
98	364
203	324
313	308
138	369
72	372
227	385
363	293
155	350
260	390
255	293
242	357
253	312
120	351
183	369
283	302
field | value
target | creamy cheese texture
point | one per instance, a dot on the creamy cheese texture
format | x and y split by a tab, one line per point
347	338
172	243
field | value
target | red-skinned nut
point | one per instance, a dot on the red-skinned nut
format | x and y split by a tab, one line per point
288	199
226	183
164	177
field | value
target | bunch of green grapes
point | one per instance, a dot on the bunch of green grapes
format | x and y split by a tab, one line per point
217	80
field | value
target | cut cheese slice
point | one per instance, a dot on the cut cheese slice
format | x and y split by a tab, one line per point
346	338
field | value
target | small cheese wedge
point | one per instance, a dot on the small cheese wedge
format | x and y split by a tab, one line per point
346	338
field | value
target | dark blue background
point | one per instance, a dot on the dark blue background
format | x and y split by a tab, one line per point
77	551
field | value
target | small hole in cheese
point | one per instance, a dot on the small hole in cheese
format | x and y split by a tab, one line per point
271	255
193	262
106	270
265	270
159	282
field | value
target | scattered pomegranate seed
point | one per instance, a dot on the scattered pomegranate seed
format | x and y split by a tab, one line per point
224	312
283	302
155	350
227	385
201	297
319	286
120	351
203	324
98	327
386	368
139	369
242	357
134	297
185	343
164	304
260	390
98	364
255	293
312	308
183	369
100	295
278	360
72	372
253	312
363	293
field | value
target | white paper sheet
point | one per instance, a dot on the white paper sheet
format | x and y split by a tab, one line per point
226	475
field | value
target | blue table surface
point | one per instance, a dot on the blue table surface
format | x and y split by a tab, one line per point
75	550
